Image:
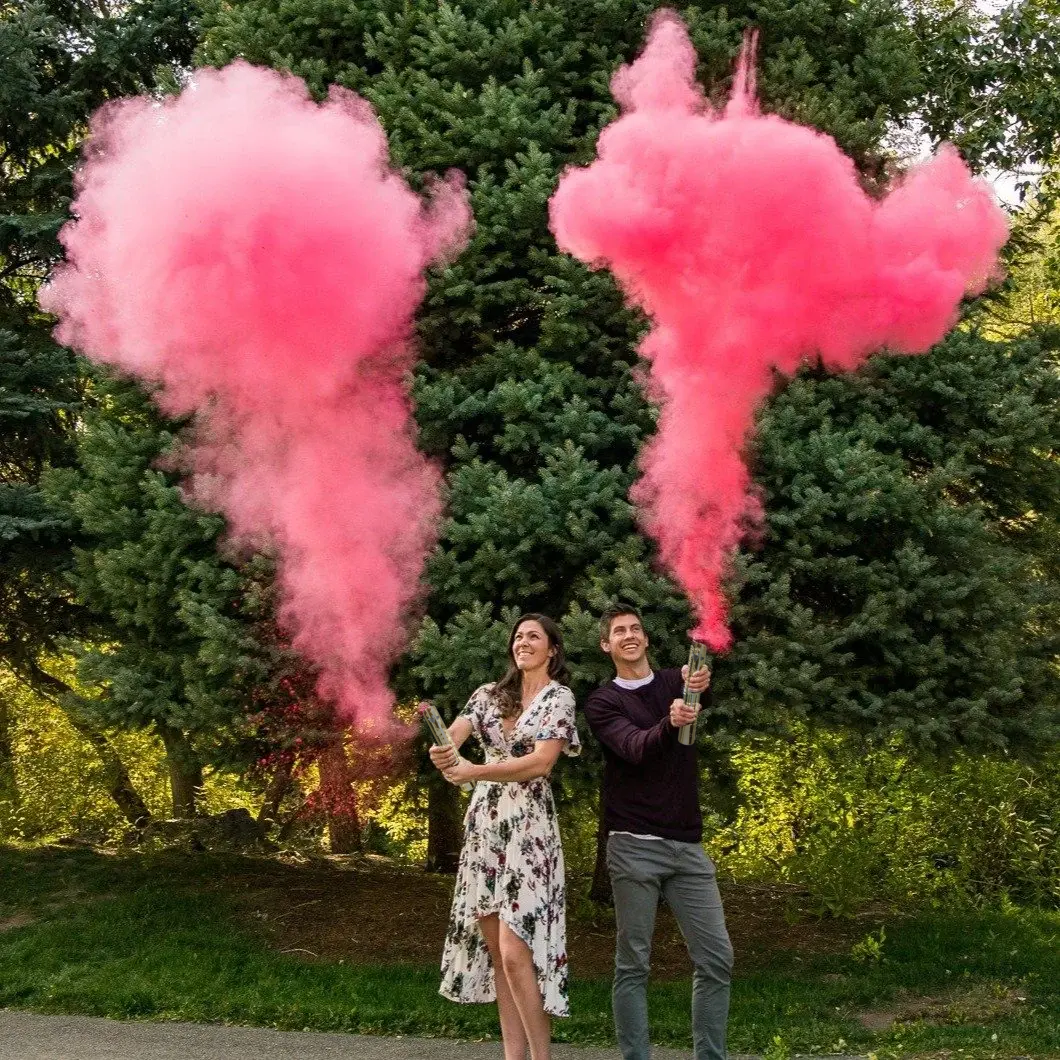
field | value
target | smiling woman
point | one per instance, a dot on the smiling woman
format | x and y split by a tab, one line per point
507	934
535	646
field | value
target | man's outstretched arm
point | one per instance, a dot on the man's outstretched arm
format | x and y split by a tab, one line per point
629	741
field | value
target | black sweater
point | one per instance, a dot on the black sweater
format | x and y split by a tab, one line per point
651	782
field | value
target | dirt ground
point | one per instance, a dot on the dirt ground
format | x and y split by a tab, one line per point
372	908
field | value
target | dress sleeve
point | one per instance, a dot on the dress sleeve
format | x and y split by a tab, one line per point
475	709
557	722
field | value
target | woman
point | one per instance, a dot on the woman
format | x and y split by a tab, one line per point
507	936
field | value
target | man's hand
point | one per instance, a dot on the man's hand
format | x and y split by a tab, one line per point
680	714
699	681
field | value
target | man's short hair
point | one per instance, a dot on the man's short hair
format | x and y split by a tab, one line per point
612	613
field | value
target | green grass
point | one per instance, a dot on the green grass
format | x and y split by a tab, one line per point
154	937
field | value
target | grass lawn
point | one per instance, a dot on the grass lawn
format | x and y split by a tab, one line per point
178	937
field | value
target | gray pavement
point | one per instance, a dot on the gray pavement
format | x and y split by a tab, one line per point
29	1036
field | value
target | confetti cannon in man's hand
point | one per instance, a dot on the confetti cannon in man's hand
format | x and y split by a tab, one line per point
697	660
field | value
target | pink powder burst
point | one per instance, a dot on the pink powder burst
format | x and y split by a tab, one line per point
751	246
253	257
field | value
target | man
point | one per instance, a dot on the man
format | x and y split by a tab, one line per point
655	830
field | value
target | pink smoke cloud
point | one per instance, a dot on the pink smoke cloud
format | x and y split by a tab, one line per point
253	256
751	246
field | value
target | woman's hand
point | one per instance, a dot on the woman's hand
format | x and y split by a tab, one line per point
461	772
455	769
444	757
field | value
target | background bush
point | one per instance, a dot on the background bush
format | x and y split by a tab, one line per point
848	821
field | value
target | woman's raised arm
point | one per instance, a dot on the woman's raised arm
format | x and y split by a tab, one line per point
460	730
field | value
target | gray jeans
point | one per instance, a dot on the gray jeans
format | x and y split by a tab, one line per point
642	870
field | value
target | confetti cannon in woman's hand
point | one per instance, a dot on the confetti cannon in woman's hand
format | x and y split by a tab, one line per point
439	733
697	659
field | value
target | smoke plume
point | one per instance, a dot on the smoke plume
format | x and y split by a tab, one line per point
252	256
751	245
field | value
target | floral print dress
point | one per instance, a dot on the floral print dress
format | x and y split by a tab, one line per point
512	862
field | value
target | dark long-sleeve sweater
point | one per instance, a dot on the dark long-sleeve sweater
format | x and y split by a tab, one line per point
651	782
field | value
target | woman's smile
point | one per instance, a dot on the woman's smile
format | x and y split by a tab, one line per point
530	648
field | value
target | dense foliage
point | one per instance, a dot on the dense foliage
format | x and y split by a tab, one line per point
889	537
61	60
904	590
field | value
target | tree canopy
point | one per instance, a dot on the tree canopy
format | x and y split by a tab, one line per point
61	60
528	395
906	580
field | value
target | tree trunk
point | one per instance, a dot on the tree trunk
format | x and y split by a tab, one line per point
600	888
288	825
444	826
9	794
340	798
185	770
116	778
279	785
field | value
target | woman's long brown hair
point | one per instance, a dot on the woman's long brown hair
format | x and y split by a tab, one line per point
508	691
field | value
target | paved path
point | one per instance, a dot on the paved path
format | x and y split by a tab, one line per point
29	1036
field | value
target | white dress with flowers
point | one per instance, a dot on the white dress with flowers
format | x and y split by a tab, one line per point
512	860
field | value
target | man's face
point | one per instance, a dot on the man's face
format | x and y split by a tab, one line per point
627	640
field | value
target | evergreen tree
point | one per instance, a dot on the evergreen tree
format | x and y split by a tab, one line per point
528	397
908	579
192	650
148	566
1029	300
58	62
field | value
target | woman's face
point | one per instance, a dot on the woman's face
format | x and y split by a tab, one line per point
530	648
